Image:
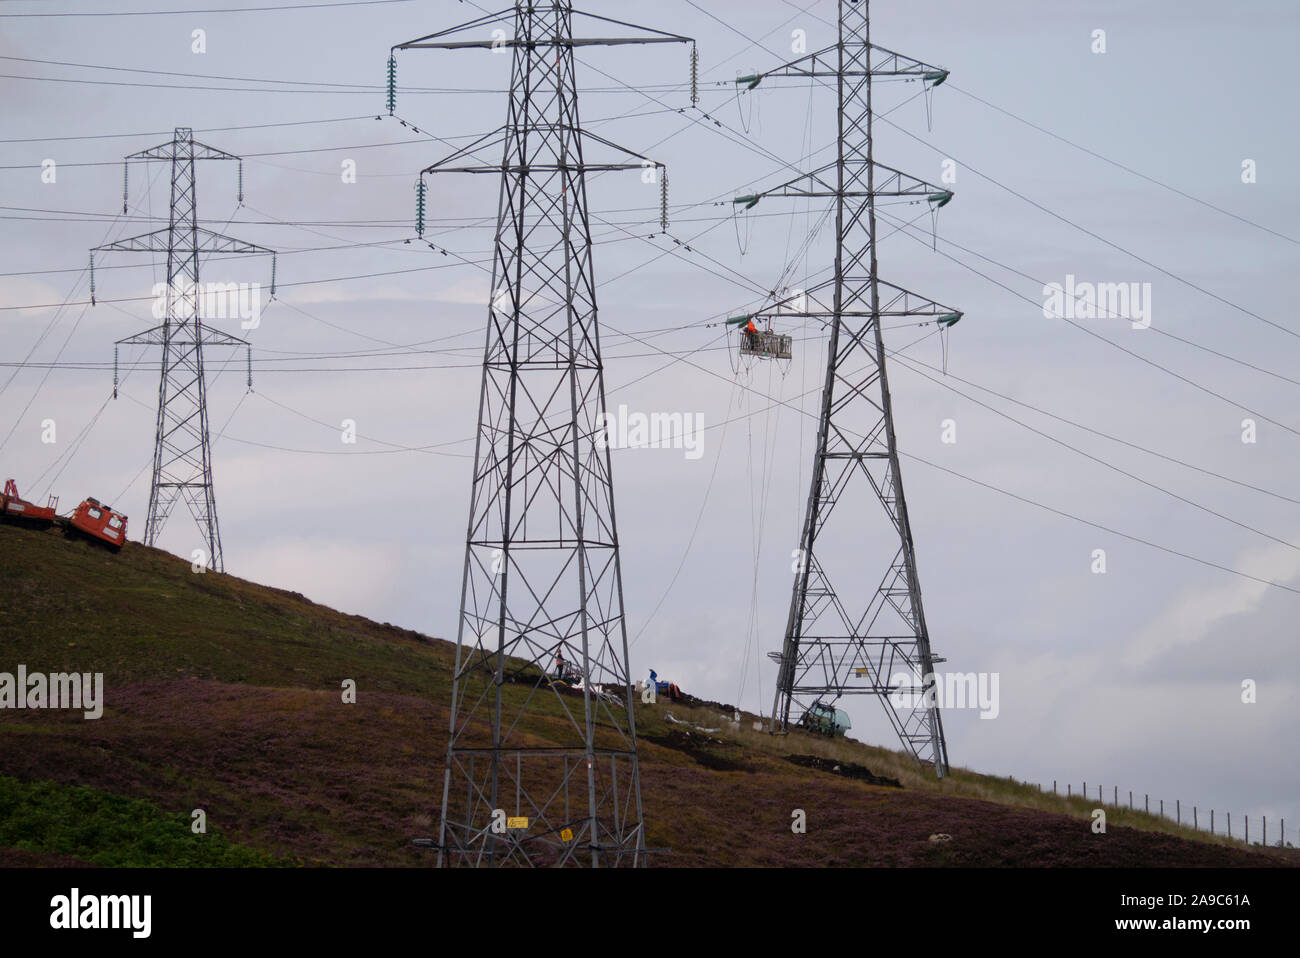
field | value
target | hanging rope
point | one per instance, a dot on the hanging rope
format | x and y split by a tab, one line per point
745	121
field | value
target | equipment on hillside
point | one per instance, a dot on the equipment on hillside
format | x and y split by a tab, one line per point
92	518
669	689
14	507
100	522
825	720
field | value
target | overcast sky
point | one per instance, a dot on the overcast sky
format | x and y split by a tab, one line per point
1130	678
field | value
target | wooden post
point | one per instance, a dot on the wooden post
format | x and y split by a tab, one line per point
1115	802
1211	821
1229	824
1147	800
1162	808
1195	822
1068	786
1247	829
1265	838
1053	786
1130	799
1178	810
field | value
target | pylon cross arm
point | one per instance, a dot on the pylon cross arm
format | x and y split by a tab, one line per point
441	41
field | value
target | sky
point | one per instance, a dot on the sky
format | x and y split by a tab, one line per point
1160	161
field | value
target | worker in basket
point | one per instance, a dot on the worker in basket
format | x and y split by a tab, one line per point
751	334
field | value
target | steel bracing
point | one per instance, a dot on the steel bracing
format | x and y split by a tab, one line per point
856	624
182	461
541	764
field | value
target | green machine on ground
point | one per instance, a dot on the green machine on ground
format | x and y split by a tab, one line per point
826	720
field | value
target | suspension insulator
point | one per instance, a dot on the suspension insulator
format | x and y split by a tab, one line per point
125	167
92	278
249	353
115	370
240	197
663	200
392	85
273	274
695	75
419	209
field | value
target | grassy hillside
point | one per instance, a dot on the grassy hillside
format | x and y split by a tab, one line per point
225	696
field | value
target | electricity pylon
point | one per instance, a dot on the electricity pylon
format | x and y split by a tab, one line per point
541	635
845	635
182	459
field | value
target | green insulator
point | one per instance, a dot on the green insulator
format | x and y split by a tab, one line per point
392	85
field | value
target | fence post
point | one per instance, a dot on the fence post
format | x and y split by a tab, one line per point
1068	786
1162	808
1178	810
1115	802
1211	821
1130	799
1247	829
1195	821
1229	814
1084	793
1147	800
1099	797
1053	786
1265	838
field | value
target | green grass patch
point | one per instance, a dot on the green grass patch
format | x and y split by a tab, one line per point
110	830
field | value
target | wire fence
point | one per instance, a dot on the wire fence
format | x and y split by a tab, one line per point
1197	820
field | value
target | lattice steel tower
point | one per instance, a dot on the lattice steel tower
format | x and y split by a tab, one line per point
845	634
541	632
182	460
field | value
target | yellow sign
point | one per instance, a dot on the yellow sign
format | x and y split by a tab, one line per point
521	822
860	672
566	834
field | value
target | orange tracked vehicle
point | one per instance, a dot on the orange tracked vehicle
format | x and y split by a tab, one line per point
92	518
15	508
99	521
